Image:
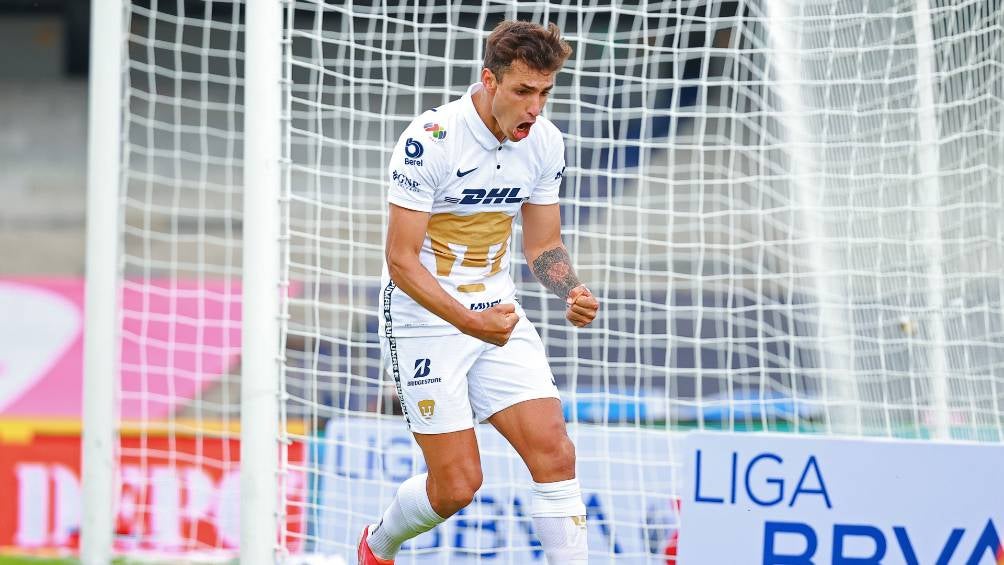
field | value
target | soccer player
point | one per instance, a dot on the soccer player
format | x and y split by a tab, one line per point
454	338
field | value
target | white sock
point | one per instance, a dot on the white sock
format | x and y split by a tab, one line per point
559	518
409	515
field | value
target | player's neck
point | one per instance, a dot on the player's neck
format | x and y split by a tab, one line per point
483	105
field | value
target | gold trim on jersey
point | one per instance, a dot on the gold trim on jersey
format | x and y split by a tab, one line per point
476	233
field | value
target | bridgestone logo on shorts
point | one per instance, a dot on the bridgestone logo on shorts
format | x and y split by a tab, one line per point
420	382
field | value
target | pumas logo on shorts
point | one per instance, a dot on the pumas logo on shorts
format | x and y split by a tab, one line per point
427	407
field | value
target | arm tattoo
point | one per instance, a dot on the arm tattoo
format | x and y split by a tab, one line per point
553	268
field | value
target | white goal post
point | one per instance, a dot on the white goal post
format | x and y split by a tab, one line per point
791	212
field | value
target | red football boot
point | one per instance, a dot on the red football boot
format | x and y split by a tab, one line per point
366	556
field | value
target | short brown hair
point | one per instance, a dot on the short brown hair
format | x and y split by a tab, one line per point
542	49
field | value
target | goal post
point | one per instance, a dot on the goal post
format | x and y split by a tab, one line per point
803	161
104	150
791	213
928	161
262	479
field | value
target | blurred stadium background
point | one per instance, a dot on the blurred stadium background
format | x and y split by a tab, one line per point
775	248
44	68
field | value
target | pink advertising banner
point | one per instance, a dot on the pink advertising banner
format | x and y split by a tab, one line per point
178	338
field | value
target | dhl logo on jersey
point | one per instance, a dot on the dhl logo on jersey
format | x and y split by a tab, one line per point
502	195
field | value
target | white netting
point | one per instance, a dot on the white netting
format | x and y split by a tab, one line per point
790	211
179	398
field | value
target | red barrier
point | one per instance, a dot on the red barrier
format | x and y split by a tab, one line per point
175	494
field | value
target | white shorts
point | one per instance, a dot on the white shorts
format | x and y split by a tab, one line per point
449	383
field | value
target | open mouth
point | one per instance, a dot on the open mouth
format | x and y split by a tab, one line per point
522	130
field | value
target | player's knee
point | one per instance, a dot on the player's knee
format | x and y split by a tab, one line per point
461	494
456	491
557	459
456	496
564	459
561	446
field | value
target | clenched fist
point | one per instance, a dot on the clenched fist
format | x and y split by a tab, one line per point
494	325
582	306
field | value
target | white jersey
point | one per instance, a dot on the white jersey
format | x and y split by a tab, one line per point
448	163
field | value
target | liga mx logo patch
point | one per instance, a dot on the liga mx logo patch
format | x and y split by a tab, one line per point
435	130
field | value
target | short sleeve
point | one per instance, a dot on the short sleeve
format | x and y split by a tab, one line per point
552	170
413	170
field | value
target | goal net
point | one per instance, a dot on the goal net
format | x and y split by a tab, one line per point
791	213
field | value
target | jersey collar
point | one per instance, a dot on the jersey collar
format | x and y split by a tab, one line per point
477	126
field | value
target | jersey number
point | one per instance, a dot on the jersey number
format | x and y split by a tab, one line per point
478	234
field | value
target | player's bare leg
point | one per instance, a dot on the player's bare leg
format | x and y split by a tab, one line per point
454	464
424	501
536	429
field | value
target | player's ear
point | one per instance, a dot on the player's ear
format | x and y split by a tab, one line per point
488	80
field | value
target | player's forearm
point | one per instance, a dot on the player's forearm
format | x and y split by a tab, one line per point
553	268
417	282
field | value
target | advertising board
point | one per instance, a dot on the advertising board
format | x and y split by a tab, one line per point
626	474
795	500
174	494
